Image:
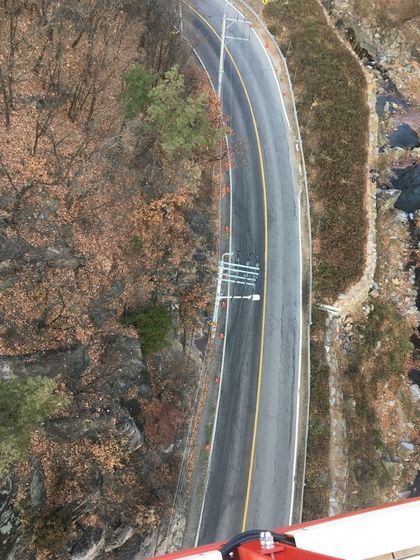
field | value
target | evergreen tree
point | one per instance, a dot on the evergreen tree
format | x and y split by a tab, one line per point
179	122
153	324
138	83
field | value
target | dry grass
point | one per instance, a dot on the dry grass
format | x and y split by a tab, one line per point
380	352
330	90
317	479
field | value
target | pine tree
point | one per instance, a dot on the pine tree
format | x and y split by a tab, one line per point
153	324
179	123
138	83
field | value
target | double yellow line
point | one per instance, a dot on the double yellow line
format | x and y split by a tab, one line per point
264	188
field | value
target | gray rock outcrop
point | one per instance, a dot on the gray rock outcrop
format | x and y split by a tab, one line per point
23	253
37	487
72	428
90	545
117	423
129	431
12	542
69	361
124	361
99	310
119	537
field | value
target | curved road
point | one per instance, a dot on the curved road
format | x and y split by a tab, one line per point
252	465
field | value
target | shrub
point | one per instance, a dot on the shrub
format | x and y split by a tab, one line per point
54	529
153	324
136	244
317	485
24	405
11	334
180	122
385	326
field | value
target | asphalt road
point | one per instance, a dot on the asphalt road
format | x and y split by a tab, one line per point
258	392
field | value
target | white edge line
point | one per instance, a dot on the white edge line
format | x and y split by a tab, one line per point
269	61
222	367
300	281
225	339
275	76
205	69
300	365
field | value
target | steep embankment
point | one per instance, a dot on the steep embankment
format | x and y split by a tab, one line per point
379	400
359	363
98	217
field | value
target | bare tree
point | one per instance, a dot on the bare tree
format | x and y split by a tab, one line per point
160	41
5	96
43	121
12	10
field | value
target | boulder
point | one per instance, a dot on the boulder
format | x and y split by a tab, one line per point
386	199
393	469
408	181
124	361
90	545
407	449
415	489
37	488
403	136
414	376
119	537
401	217
415	392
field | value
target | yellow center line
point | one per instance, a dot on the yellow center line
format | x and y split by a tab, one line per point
264	188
